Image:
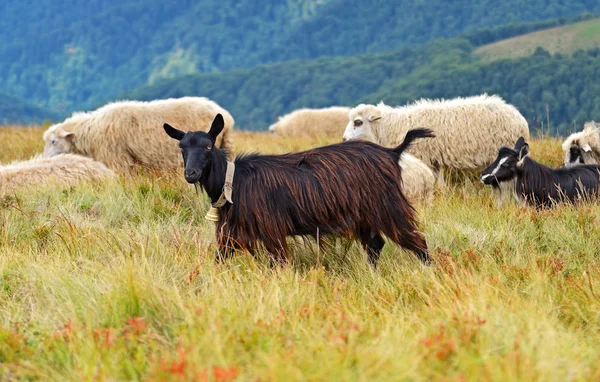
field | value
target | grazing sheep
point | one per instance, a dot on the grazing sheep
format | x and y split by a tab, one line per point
418	180
583	147
328	122
123	134
538	185
351	189
62	169
468	130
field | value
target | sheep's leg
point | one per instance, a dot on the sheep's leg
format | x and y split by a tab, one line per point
372	243
440	178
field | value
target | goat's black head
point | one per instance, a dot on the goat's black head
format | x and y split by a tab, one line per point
507	164
575	156
197	148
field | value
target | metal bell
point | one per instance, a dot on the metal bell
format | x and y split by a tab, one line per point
212	214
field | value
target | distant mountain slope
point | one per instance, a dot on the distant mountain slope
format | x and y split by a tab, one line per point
15	111
257	96
564	39
75	54
562	90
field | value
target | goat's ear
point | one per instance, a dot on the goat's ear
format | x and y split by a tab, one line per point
173	132
523	151
217	127
519	144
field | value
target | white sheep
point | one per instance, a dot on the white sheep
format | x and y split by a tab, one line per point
418	180
62	169
468	131
327	122
128	133
583	147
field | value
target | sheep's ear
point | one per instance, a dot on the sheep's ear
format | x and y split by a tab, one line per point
587	148
375	115
217	127
173	132
67	135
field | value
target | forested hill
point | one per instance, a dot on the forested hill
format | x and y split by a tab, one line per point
16	111
76	54
560	89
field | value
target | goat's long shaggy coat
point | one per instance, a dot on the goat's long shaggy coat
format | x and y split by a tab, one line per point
539	185
60	170
349	189
536	184
584	146
327	122
468	130
129	133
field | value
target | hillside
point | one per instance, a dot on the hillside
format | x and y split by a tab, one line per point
15	111
69	55
560	89
564	39
256	97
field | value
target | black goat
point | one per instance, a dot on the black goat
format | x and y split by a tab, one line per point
538	185
351	189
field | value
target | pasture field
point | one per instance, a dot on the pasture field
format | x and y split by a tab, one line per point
116	281
565	39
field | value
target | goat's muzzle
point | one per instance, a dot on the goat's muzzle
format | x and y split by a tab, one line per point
191	175
488	179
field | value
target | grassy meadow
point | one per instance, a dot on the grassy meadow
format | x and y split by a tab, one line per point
564	39
116	281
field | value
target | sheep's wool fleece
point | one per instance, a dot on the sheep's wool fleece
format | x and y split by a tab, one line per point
128	133
418	180
60	170
469	131
328	122
590	136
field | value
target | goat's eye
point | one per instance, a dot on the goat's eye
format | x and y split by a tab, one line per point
358	122
505	165
53	141
208	147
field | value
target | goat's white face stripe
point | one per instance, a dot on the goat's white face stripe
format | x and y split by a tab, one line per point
496	168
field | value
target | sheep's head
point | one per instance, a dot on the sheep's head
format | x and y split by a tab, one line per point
507	164
361	119
275	128
197	148
583	147
58	140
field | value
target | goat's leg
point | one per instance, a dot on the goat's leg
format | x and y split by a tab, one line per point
372	243
225	248
416	243
411	240
278	252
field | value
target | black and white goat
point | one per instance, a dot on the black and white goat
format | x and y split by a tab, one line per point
536	184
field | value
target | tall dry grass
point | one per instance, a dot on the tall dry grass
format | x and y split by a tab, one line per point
116	281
